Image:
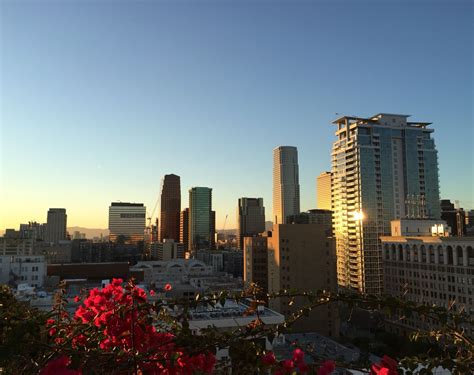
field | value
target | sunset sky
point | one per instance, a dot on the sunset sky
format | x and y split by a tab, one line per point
100	99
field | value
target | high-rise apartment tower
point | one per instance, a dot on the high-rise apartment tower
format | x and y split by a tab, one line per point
250	219
170	207
286	187
383	168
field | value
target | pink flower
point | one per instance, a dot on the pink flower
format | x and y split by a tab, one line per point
388	366
327	367
152	293
168	287
268	358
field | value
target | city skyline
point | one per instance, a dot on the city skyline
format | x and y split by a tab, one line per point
100	96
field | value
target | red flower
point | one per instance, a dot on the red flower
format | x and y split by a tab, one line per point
388	366
298	355
50	322
168	287
288	365
52	331
268	358
152	293
327	367
58	366
77	299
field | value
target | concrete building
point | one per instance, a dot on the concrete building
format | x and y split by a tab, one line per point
323	191
170	207
22	269
16	246
56	225
250	219
429	269
127	222
167	250
454	216
256	261
317	216
184	228
302	257
33	230
383	168
60	252
286	186
200	218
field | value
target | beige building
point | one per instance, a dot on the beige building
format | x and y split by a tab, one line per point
256	261
323	191
428	267
286	186
167	250
302	257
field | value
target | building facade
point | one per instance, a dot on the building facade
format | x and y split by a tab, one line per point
430	269
184	228
323	191
200	218
250	219
317	216
302	257
127	222
56	225
170	207
167	250
21	269
454	216
286	186
383	168
256	261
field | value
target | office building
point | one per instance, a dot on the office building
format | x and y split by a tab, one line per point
286	186
170	207
323	191
33	230
303	258
250	219
200	218
167	250
427	266
127	222
213	229
314	217
455	217
256	262
184	228
56	225
383	168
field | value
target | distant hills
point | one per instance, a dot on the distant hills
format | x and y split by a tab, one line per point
90	232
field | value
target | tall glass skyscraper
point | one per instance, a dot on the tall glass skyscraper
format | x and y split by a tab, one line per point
200	218
170	207
383	168
286	185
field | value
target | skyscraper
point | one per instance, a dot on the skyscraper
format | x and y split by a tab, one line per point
286	187
56	225
170	207
250	219
382	167
127	222
323	191
200	207
184	228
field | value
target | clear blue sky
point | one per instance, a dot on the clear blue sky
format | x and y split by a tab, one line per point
100	99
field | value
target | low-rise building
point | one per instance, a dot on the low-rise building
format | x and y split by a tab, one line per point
167	250
22	269
429	268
